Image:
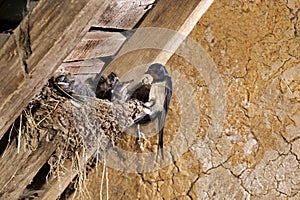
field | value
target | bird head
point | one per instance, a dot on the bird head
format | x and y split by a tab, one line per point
102	83
102	80
157	71
112	79
65	82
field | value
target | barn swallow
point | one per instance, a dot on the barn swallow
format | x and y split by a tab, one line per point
72	86
102	89
112	79
64	83
120	91
159	97
105	86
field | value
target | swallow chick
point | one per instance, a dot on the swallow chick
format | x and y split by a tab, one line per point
112	79
119	92
105	86
73	88
103	89
64	83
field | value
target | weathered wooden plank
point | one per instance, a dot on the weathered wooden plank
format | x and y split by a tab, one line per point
86	71
91	66
18	169
159	35
58	27
8	164
97	44
54	186
124	14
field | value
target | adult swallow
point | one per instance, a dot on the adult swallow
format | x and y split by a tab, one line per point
158	98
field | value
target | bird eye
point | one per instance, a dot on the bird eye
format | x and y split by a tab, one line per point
102	79
112	75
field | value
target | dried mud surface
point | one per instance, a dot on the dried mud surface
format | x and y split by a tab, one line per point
255	45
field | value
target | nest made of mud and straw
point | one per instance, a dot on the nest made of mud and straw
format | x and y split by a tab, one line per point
78	128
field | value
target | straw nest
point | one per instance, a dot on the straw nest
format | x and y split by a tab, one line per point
78	127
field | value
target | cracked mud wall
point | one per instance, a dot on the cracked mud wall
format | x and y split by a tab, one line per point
256	47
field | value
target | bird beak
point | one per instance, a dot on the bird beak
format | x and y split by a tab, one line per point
148	72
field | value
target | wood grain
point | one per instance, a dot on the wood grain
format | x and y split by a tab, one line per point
159	35
55	28
90	66
96	44
124	14
18	169
54	186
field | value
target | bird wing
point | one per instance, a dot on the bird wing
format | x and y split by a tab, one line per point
168	92
163	114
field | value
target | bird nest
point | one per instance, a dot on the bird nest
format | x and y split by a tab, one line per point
78	128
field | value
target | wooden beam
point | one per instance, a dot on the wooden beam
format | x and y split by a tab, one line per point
164	28
97	44
38	46
124	14
90	66
18	169
56	186
56	33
